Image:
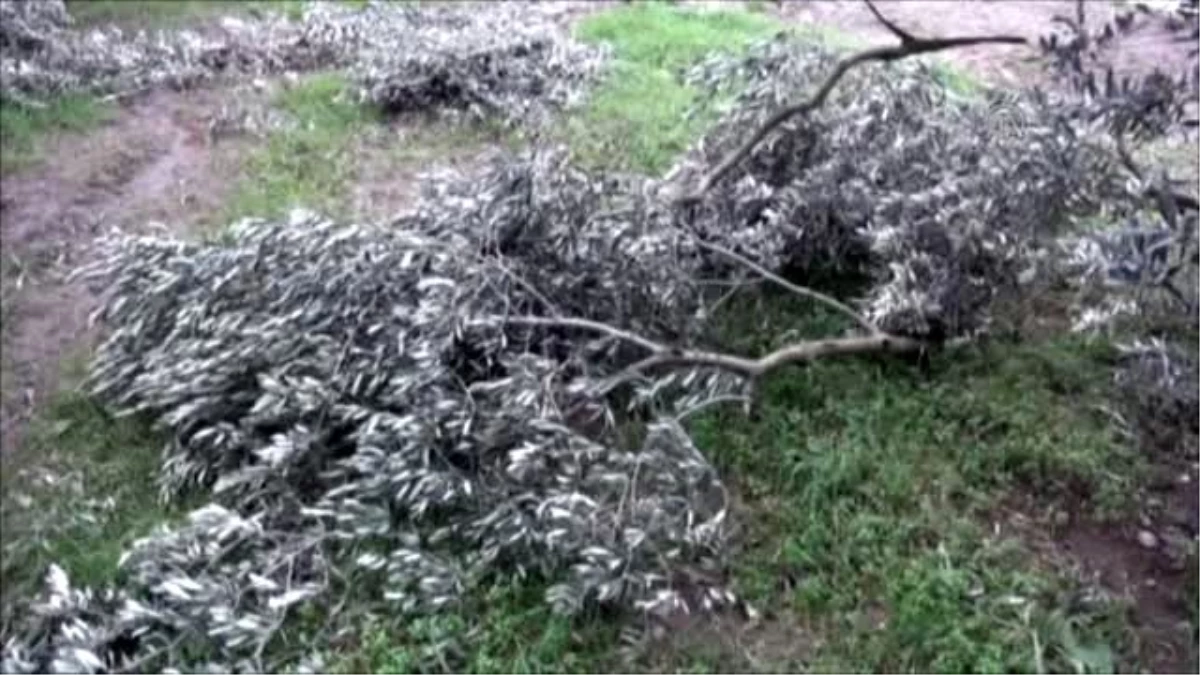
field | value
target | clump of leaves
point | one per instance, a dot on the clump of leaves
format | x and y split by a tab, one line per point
942	202
509	63
508	59
1142	275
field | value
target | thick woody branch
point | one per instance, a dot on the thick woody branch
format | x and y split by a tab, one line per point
909	46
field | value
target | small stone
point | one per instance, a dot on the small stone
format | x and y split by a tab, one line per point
1147	539
1185	478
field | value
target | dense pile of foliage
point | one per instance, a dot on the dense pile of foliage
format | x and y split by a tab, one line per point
446	400
505	59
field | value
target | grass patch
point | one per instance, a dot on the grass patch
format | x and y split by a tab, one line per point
315	161
507	629
23	129
867	485
135	14
310	164
77	493
643	115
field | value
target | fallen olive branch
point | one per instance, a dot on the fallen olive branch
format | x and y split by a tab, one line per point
751	368
909	46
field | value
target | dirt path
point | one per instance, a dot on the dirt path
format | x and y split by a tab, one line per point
152	164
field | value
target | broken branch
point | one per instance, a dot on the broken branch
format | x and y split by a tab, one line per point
753	369
909	46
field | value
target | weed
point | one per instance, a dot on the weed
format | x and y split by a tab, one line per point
24	128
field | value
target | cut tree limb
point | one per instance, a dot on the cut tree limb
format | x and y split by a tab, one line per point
753	369
909	46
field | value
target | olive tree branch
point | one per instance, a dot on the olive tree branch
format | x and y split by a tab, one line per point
751	368
910	45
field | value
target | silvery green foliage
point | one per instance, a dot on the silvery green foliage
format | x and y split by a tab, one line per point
506	58
108	60
509	62
29	24
1146	106
1156	383
1146	268
65	627
342	392
942	201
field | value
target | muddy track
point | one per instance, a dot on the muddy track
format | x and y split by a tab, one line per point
153	163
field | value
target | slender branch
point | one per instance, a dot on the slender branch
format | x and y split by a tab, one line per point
909	46
753	369
796	353
798	290
905	36
585	324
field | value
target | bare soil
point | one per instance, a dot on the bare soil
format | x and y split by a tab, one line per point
152	164
1143	561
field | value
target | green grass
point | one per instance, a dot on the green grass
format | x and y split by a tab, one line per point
310	165
169	13
77	493
638	118
23	129
315	162
507	629
869	486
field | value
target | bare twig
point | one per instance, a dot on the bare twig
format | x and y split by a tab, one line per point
753	369
798	290
909	46
905	36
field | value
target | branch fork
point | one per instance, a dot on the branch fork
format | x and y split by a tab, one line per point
910	45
